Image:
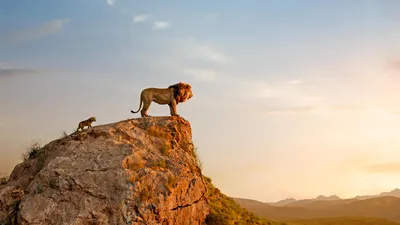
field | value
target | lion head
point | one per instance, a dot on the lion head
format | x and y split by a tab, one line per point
182	92
92	118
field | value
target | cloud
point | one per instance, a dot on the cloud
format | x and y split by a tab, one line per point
161	25
50	28
193	49
390	9
140	18
395	65
5	73
285	105
383	113
298	81
124	11
202	75
211	53
389	167
289	110
212	15
186	57
110	2
281	97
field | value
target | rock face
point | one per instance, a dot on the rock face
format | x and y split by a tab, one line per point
139	171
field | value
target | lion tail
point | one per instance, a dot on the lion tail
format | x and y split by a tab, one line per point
140	106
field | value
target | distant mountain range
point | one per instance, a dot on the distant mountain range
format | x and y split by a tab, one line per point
384	206
296	203
394	193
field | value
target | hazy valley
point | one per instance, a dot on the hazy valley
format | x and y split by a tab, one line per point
382	208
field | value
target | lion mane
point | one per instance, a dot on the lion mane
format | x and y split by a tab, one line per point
182	92
170	96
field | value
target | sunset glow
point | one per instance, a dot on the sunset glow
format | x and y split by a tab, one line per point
290	100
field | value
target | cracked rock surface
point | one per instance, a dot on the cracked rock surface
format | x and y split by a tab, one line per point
139	171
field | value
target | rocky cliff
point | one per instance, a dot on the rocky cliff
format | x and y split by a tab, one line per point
139	171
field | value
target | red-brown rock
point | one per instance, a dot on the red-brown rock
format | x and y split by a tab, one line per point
139	171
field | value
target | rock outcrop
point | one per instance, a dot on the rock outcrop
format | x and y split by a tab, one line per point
139	171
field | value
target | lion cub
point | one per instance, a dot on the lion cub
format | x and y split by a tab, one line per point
87	123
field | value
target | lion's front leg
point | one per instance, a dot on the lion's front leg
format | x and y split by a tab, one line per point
172	107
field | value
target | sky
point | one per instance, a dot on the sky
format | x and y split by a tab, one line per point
291	98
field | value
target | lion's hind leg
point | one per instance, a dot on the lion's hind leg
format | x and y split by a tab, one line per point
145	108
79	126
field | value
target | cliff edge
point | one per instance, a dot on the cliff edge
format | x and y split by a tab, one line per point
138	171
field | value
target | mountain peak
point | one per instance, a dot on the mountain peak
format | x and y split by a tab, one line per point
332	197
131	172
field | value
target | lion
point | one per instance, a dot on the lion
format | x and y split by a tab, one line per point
87	123
172	96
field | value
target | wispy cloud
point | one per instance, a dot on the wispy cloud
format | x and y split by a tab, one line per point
389	167
190	58
110	2
140	18
390	9
161	25
197	50
5	73
289	110
284	105
212	15
211	53
395	65
298	81
282	97
124	11
50	28
202	74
